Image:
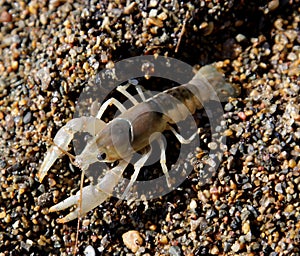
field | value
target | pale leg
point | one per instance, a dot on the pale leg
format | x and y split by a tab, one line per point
180	138
111	101
122	89
137	167
140	92
163	160
118	104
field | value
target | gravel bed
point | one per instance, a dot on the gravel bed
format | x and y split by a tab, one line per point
48	50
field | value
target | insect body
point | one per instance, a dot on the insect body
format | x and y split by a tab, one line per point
131	131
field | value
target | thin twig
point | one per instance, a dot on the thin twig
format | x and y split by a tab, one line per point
79	212
182	31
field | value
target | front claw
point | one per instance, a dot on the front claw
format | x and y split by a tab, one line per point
91	198
52	154
64	136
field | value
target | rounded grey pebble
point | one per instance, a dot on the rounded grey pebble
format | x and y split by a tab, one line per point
228	106
27	118
175	251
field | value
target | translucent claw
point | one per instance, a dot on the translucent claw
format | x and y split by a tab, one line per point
91	198
52	154
92	195
63	138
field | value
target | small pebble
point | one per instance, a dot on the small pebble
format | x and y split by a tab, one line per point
242	116
162	16
273	5
240	38
153	3
163	240
213	145
236	246
133	240
193	204
228	132
228	107
153	13
14	65
89	251
5	16
246	228
130	8
27	118
292	56
2	214
175	251
215	250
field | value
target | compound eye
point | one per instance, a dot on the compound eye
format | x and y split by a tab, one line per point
101	156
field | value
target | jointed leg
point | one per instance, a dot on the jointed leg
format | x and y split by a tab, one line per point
137	167
163	160
180	138
140	92
122	89
111	101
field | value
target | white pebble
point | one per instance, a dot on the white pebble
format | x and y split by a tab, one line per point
89	251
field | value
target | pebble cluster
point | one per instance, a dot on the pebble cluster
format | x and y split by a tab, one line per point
49	49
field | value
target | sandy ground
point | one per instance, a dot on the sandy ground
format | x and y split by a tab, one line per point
249	207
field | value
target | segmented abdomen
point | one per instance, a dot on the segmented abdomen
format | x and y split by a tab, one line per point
179	102
176	104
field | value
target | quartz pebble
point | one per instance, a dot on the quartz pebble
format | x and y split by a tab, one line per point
89	251
133	240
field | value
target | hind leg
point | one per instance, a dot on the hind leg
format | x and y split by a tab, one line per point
111	101
118	104
163	160
180	138
123	89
